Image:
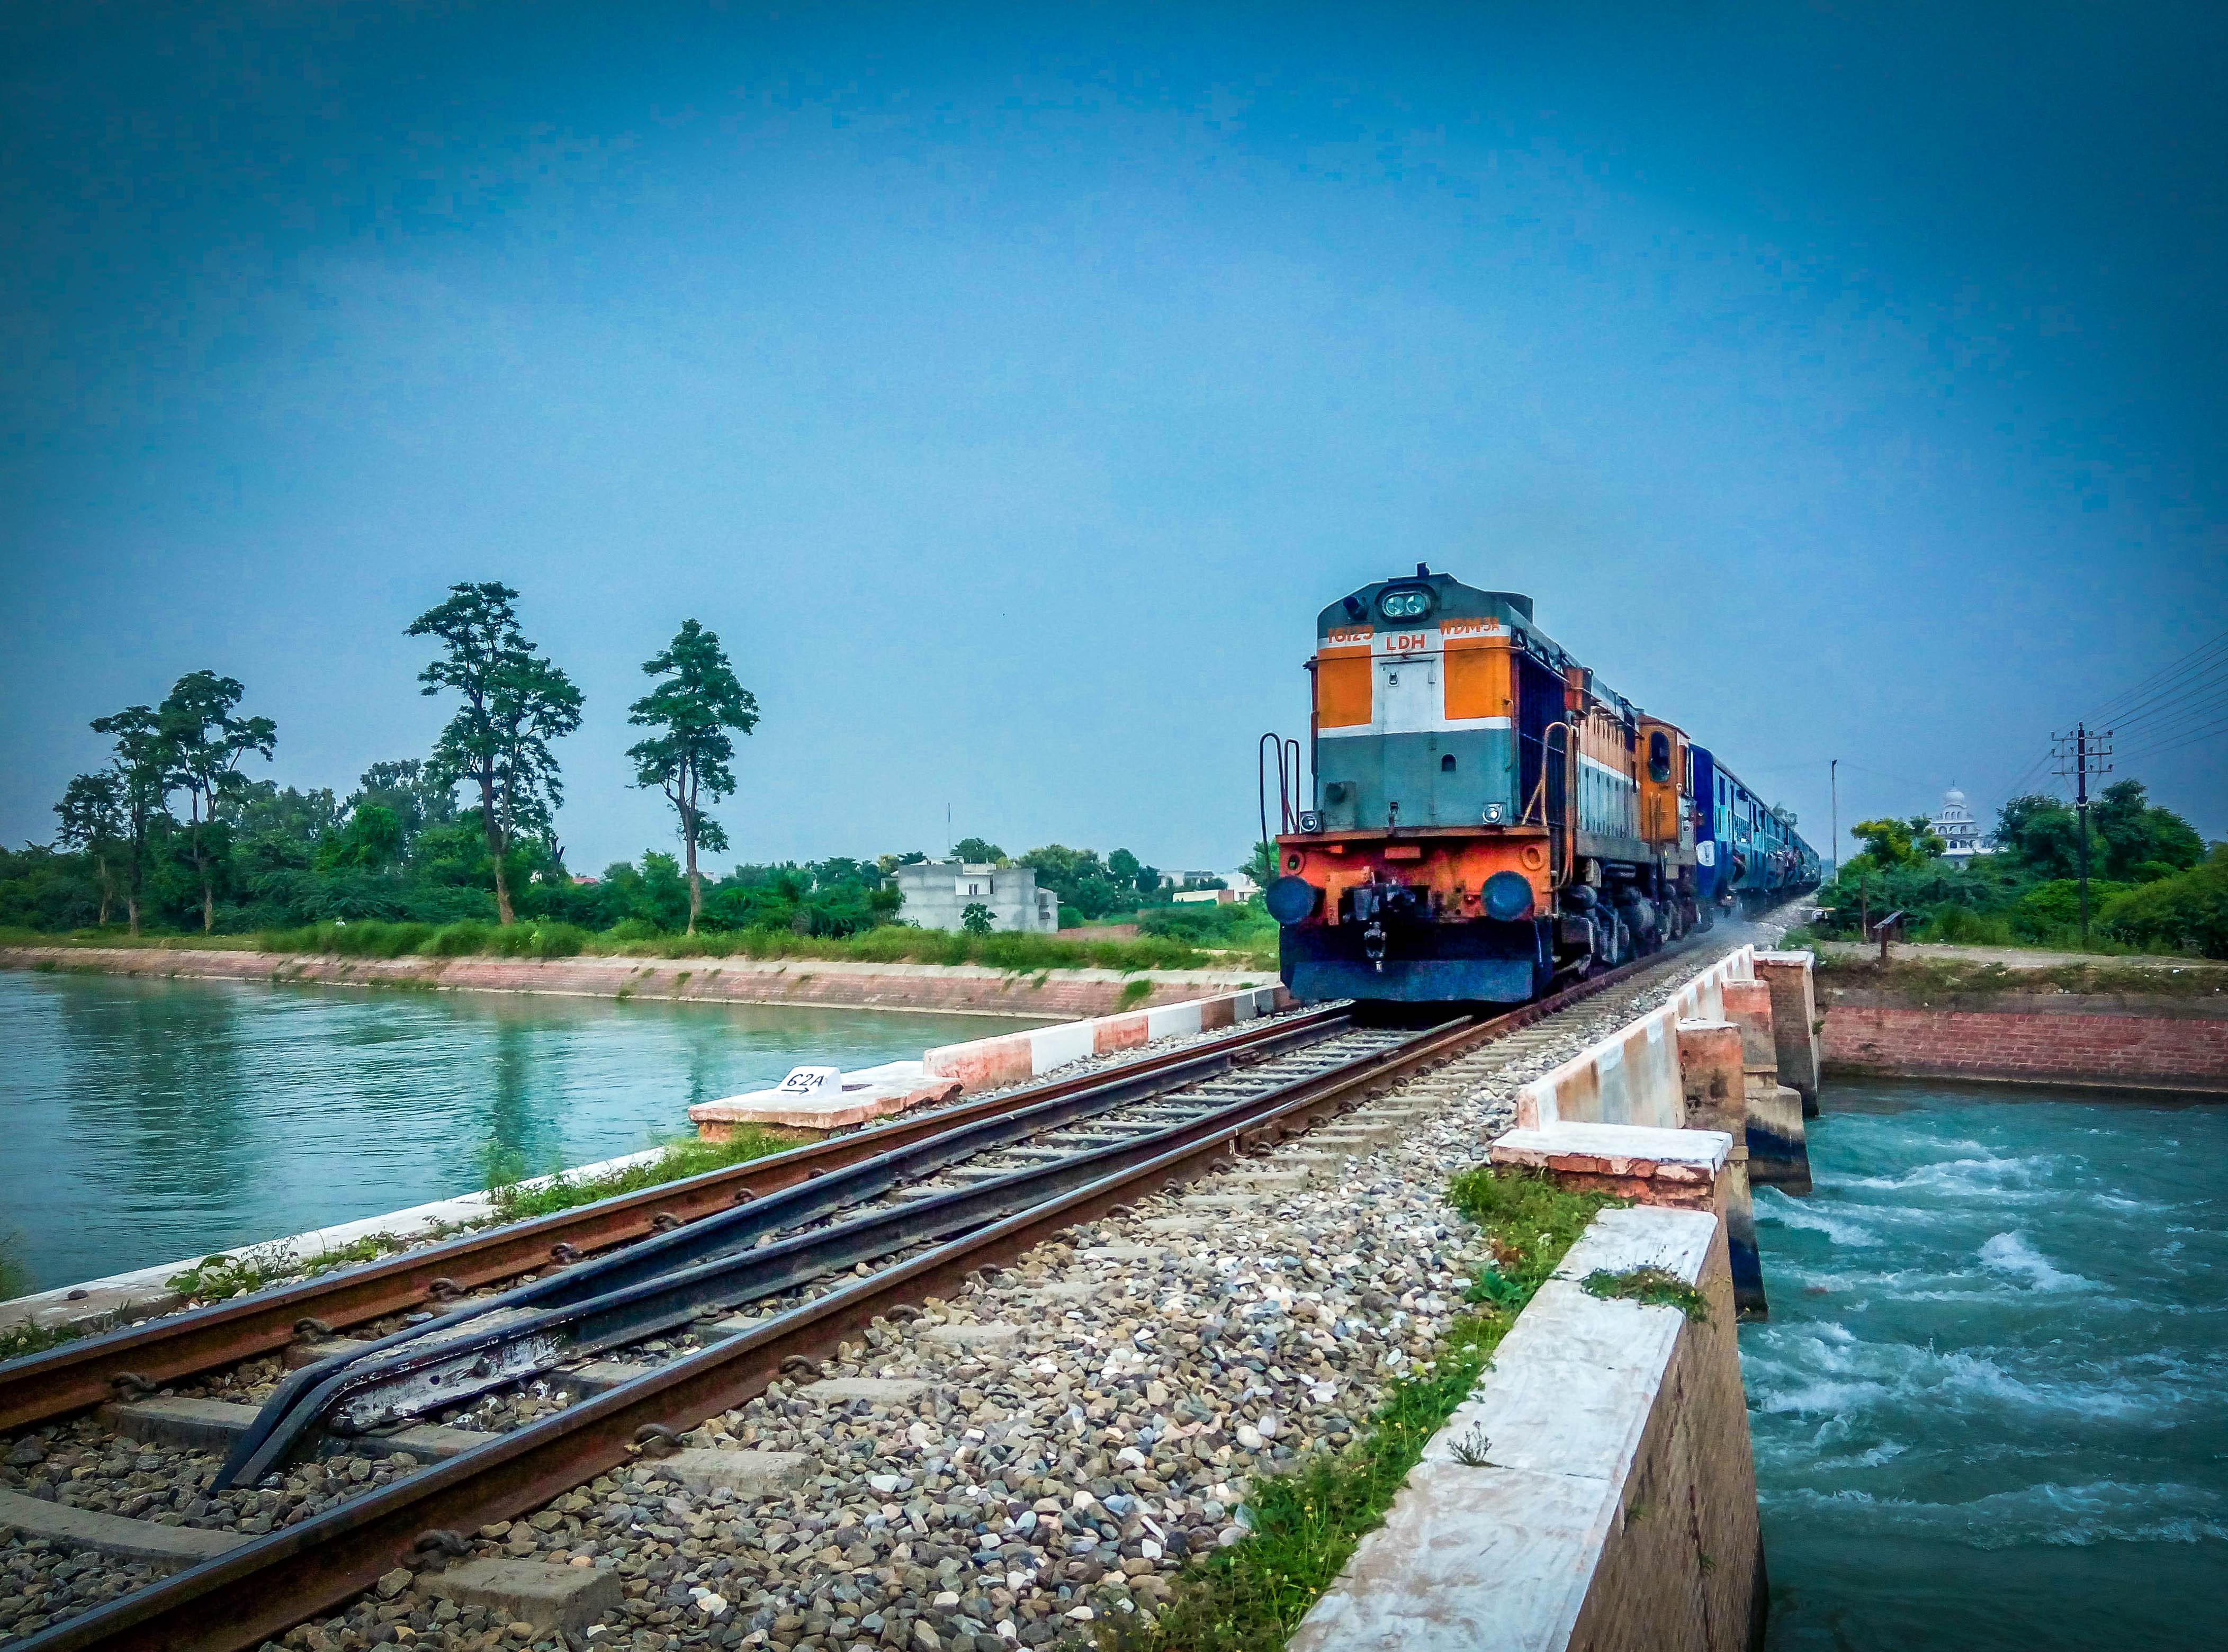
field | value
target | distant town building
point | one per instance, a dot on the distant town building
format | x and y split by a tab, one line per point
1236	887
1956	827
938	892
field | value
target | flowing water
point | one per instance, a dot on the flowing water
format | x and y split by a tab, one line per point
1990	1409
146	1121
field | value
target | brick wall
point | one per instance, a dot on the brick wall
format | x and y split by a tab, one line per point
2122	1043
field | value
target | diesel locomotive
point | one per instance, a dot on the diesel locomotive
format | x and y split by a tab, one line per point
1488	815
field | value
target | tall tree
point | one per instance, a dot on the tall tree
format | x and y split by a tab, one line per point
206	743
515	703
145	772
699	701
92	811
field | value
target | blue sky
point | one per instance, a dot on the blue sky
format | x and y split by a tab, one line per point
1008	389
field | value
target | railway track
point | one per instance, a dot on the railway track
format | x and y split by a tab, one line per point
961	1211
78	1375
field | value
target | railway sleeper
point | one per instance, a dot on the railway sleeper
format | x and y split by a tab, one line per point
720	1238
396	1384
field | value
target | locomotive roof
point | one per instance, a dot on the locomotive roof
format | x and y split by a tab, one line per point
1450	598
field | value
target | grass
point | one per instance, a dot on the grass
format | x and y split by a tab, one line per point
1305	1523
23	1338
1657	1285
515	1202
1015	953
1931	978
214	1278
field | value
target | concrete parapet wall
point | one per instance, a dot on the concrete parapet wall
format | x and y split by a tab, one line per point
2119	1042
1015	1058
1616	1504
1632	1076
963	989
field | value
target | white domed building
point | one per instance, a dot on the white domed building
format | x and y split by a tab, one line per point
1956	827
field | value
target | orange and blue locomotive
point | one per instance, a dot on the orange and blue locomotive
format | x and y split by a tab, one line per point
1488	815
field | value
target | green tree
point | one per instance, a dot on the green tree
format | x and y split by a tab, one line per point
409	790
1898	843
699	701
372	838
1079	878
514	704
1262	865
92	811
979	851
206	744
976	921
144	771
2141	841
2043	834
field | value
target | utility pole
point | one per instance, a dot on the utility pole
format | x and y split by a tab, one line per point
2081	754
1833	785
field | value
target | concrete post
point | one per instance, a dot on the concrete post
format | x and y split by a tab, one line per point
1777	1156
1714	1089
1794	1021
1711	1076
1748	1006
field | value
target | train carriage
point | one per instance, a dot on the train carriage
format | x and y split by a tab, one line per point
1487	814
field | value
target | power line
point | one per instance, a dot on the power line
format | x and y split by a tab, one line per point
2192	737
2156	680
2180	701
2208	680
2201	711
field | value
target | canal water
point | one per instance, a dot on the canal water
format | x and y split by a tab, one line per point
146	1121
1990	1409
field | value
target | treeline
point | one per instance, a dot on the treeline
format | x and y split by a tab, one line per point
2152	882
177	833
173	833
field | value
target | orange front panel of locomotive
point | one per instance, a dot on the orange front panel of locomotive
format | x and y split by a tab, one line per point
1477	670
1343	680
1454	867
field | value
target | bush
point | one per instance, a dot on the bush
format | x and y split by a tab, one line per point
1958	926
633	928
2187	911
366	938
456	940
554	941
2053	909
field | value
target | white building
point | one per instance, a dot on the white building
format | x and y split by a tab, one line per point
938	892
1956	827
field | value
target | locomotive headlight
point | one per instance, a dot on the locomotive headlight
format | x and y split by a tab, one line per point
1407	602
1310	821
1493	813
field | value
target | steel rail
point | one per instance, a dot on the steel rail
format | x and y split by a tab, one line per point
252	1593
79	1374
714	1247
